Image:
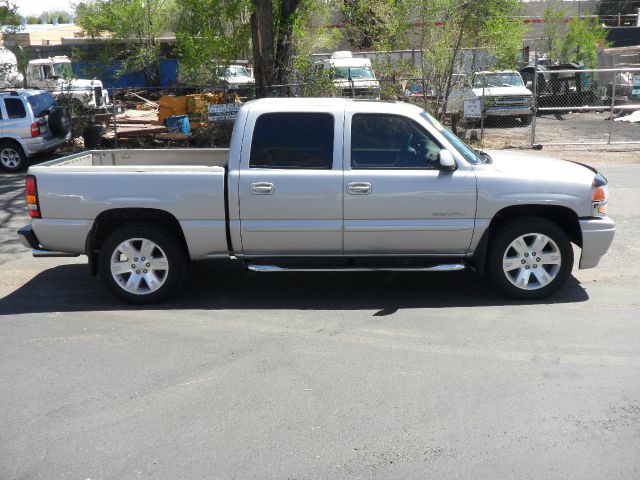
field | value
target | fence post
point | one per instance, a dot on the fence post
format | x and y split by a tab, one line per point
115	119
534	100
613	102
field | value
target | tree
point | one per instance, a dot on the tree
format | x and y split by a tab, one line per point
205	41
10	21
373	24
49	15
450	26
553	31
131	30
581	42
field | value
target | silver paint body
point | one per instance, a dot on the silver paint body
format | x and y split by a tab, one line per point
337	212
19	129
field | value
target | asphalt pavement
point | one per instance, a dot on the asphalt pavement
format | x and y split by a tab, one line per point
302	376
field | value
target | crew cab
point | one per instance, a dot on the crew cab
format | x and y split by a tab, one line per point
321	184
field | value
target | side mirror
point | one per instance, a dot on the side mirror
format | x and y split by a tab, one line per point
529	84
446	160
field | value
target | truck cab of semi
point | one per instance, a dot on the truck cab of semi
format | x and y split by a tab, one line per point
56	75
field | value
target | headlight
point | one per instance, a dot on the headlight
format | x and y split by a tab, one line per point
599	196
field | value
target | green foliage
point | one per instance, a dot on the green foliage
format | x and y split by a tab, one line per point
474	24
581	42
553	31
130	30
205	41
374	24
62	15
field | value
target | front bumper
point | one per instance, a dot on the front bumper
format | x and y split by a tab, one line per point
597	235
28	239
507	111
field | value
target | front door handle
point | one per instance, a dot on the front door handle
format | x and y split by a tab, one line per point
359	188
262	188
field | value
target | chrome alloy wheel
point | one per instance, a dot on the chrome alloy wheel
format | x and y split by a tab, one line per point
532	261
139	266
10	158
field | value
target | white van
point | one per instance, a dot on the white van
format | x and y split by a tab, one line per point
354	77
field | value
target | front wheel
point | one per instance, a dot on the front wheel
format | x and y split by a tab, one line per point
525	120
530	258
141	264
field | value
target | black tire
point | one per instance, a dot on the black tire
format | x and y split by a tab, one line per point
168	248
59	122
92	136
12	157
500	249
525	120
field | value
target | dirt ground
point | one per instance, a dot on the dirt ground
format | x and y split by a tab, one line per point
579	130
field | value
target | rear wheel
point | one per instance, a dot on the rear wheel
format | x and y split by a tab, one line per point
12	158
141	264
530	258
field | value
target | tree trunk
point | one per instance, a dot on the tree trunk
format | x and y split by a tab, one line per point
262	39
284	40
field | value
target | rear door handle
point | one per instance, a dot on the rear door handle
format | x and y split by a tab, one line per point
262	188
359	188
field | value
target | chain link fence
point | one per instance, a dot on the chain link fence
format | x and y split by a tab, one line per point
586	107
489	110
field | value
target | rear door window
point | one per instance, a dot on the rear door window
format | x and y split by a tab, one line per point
41	104
15	108
293	140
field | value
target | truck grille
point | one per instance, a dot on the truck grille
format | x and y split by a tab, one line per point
511	100
360	93
98	94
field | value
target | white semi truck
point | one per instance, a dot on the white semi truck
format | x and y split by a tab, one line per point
56	75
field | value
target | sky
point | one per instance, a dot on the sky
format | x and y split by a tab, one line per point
35	7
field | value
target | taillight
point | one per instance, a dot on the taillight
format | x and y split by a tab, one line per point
35	130
31	189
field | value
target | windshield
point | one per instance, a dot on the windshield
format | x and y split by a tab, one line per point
357	73
41	103
63	70
236	72
459	145
498	80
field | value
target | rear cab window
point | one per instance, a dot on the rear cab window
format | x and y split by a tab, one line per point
41	103
293	140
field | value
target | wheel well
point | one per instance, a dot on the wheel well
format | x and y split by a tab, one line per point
13	142
564	217
109	220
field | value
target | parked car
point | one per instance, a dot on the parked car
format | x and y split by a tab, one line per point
352	76
321	184
500	94
30	123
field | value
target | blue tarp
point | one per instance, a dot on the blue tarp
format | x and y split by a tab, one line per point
108	74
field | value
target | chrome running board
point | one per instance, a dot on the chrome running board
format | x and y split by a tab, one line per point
48	253
435	268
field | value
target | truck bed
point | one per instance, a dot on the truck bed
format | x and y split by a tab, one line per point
188	184
174	157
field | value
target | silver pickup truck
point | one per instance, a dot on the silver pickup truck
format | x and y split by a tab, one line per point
316	185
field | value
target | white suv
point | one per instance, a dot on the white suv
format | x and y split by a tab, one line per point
30	122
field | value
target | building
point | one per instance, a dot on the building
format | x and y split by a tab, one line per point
41	34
